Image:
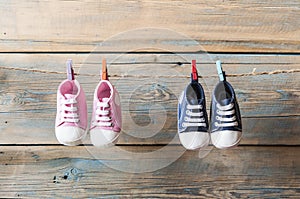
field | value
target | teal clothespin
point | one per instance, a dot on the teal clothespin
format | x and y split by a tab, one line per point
221	73
70	71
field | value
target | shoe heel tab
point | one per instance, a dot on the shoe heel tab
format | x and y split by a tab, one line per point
104	75
70	71
221	73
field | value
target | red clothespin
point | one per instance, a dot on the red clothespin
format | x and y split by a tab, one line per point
194	71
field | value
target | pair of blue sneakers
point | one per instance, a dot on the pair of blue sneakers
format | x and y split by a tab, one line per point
225	126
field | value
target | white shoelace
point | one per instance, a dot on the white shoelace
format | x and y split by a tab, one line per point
102	114
225	111
193	122
69	111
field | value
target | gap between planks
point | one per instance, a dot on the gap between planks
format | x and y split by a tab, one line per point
253	73
143	145
262	53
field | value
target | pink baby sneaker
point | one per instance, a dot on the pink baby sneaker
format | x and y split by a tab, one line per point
71	117
106	120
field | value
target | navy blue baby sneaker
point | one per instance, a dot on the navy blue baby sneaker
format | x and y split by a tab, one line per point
192	116
225	117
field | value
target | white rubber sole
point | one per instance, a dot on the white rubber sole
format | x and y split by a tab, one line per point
70	136
226	139
103	138
194	140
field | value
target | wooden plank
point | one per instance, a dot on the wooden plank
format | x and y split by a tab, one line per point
273	92
24	112
257	131
47	172
73	26
120	62
271	100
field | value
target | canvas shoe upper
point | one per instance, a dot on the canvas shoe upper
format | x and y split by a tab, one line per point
106	120
192	115
225	117
71	117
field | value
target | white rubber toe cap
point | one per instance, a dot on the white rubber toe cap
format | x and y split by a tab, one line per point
69	135
194	140
101	137
226	139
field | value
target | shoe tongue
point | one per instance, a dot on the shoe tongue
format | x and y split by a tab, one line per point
225	101
104	99
69	96
195	101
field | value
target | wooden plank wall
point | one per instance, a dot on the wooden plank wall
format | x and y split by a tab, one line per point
149	45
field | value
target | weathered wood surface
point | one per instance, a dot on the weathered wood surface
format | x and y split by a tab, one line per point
268	97
64	172
148	45
219	26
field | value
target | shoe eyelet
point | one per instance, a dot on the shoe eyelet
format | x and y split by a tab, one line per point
183	125
216	124
217	118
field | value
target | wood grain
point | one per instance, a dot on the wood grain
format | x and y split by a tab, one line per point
257	131
214	26
149	45
120	62
255	172
29	83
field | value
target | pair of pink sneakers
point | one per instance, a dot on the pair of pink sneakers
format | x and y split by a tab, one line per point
71	124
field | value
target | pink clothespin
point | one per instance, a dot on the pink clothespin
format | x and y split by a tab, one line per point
70	71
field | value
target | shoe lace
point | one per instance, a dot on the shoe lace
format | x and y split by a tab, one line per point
69	111
222	115
102	114
189	121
